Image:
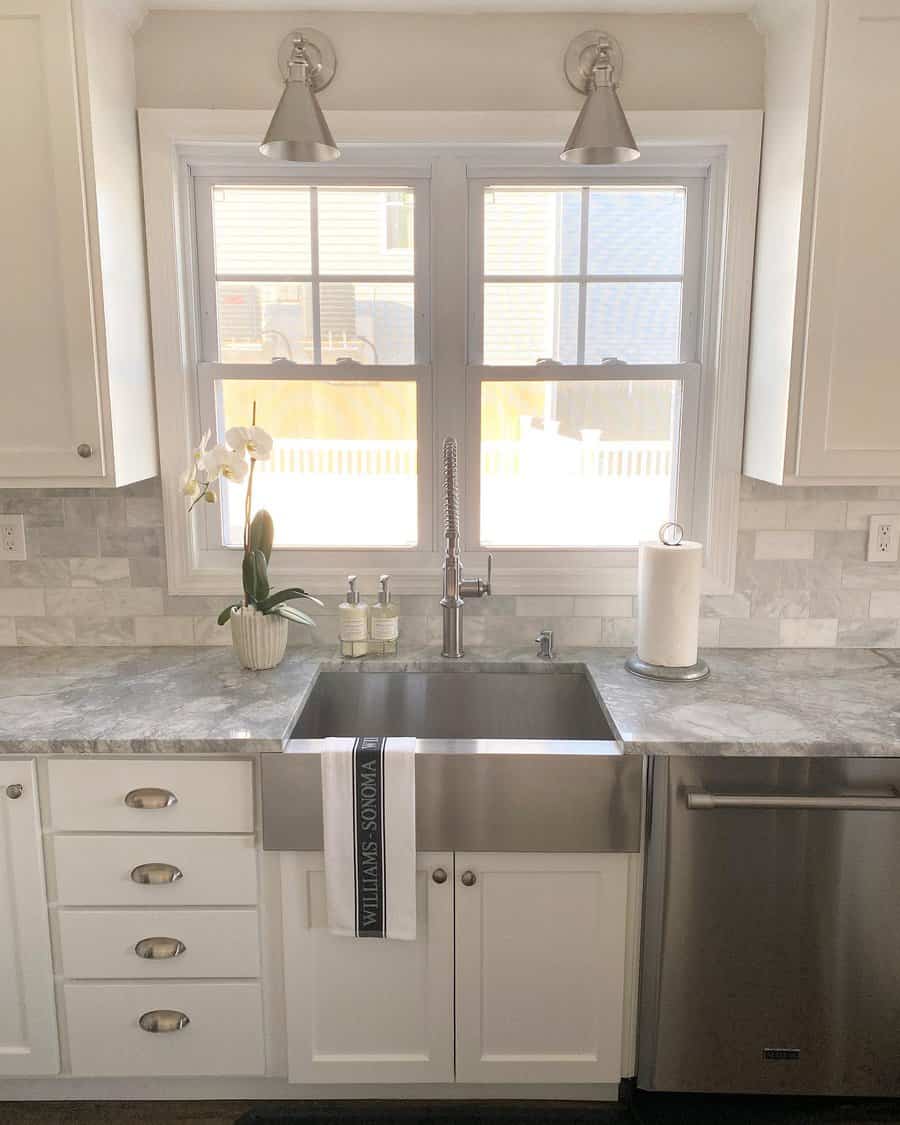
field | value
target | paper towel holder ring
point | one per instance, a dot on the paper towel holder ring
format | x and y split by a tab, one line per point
671	534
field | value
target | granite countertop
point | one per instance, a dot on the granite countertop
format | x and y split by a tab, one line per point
797	702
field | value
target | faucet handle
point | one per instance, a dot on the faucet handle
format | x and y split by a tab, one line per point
478	587
544	641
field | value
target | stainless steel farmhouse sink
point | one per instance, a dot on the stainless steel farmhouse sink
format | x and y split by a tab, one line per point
454	705
505	761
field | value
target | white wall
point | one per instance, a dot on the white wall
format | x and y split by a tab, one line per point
404	61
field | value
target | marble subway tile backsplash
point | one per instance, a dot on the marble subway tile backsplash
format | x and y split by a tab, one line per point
96	575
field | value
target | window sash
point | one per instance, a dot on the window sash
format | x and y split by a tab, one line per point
684	467
692	270
209	519
207	278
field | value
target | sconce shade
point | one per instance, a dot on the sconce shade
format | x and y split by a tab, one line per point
601	134
298	131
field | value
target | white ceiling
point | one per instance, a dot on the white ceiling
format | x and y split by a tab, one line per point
461	6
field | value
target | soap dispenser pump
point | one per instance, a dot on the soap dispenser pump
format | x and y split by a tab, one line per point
385	621
353	622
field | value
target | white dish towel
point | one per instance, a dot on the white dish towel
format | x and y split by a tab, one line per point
369	806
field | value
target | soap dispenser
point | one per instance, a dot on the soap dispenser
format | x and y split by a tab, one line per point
385	621
353	622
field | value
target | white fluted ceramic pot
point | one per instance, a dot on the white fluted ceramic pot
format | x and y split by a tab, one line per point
259	639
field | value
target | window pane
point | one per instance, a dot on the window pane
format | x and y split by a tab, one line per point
532	230
261	230
637	322
528	321
358	231
576	464
262	321
343	471
369	322
636	230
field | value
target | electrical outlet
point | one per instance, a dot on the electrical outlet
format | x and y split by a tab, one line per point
884	538
12	538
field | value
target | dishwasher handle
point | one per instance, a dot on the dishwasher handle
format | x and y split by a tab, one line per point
699	799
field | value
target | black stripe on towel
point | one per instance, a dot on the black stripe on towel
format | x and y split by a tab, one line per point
368	808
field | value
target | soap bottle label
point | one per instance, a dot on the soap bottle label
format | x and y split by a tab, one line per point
385	628
353	627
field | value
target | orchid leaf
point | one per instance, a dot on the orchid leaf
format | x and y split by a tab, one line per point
225	615
291	614
290	594
256	578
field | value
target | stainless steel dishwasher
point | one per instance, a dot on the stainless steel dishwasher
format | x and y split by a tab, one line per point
771	960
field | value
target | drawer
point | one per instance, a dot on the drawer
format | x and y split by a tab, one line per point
96	870
224	1035
100	944
89	795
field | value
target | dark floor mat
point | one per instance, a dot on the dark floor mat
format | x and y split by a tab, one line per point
441	1113
689	1109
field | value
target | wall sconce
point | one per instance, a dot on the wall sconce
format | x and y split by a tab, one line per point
593	65
298	131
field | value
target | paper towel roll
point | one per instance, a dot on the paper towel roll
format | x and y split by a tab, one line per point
669	603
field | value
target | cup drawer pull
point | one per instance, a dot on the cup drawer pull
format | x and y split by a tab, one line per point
163	1020
159	948
150	799
154	874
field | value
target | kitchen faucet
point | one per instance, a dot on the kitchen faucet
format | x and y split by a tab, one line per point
454	586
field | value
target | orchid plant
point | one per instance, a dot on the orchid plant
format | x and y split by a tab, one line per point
235	461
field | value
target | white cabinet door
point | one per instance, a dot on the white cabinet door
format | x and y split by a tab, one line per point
28	1038
363	1010
851	388
51	402
540	967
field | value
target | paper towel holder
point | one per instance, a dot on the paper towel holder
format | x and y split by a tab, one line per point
670	535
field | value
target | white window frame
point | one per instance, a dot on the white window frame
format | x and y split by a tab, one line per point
688	373
726	142
210	551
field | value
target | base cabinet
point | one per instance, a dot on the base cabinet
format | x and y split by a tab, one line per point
540	955
28	1035
517	975
362	1010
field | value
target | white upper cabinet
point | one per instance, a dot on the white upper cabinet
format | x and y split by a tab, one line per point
76	377
824	390
28	1037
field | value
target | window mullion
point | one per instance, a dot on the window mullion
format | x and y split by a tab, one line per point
314	261
582	270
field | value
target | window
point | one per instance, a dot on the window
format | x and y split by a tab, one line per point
311	303
577	315
584	330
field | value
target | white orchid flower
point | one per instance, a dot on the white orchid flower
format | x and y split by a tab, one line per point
225	462
210	496
253	440
188	482
200	450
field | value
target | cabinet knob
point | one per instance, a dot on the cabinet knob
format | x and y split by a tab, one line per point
163	1020
468	878
159	948
153	874
439	875
150	799
14	792
84	450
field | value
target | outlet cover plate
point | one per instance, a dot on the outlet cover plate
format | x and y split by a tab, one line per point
12	539
884	538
